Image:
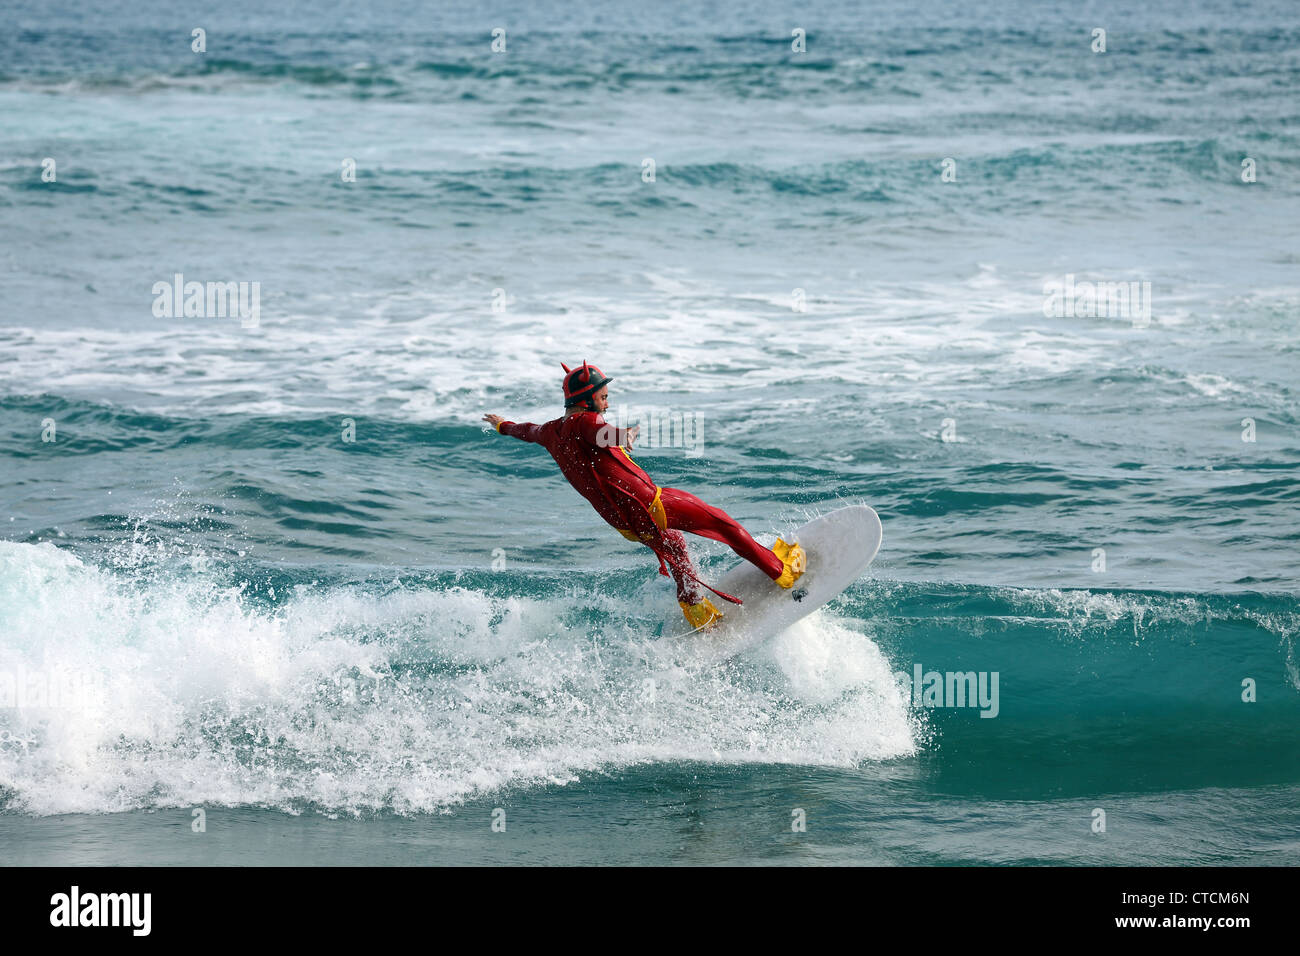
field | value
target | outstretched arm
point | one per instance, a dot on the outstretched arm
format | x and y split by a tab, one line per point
525	431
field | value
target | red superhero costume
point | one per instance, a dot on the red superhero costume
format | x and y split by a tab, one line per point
591	455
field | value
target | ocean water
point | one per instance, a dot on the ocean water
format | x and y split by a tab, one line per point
279	571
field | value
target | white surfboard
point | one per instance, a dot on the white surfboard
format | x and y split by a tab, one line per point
839	546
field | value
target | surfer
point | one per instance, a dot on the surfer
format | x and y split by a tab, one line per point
594	457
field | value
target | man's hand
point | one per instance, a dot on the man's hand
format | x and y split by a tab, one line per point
493	420
631	434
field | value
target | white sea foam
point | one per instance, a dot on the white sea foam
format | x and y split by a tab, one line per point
412	700
426	353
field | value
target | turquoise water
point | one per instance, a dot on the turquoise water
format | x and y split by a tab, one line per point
356	641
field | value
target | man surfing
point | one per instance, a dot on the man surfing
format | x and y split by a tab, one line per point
593	456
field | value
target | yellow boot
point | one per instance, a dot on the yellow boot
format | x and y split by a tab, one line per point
794	559
701	615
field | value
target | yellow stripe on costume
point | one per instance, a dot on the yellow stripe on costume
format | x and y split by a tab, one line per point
657	513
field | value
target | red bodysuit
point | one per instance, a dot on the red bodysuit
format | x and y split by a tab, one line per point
591	455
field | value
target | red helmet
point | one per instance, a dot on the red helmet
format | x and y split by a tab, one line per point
581	383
